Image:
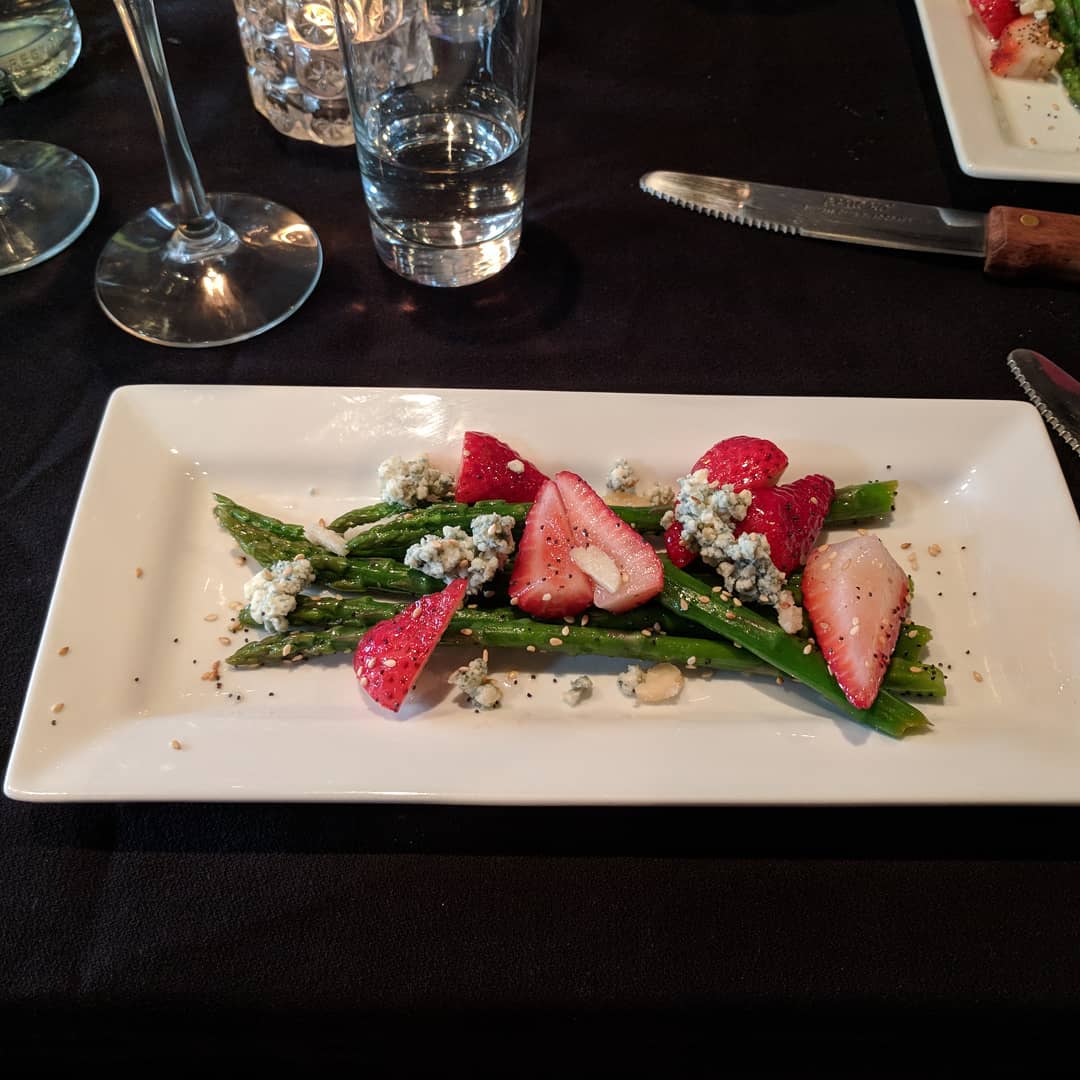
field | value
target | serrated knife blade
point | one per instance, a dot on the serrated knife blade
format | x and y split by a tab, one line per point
1054	392
825	215
1012	242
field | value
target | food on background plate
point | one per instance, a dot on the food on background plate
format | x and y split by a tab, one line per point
1033	39
558	570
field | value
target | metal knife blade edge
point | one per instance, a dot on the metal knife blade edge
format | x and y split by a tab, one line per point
1044	410
722	215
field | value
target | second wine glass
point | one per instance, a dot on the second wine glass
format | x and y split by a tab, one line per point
204	269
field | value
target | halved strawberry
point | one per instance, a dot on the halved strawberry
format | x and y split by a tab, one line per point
856	596
546	582
492	470
790	517
743	460
392	653
620	561
1026	50
996	14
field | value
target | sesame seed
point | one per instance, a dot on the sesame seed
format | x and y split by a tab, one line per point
905	545
235	605
530	648
240	560
210	618
934	549
915	669
779	680
138	571
863	532
58	707
646	633
976	676
691	661
683	605
584	620
285	651
389	662
176	744
63	650
807	650
546	597
823	547
718	588
737	602
466	632
224	641
555	641
565	631
729	614
363	680
913	633
513	601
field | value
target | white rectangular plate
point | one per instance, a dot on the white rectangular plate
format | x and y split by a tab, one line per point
1002	129
978	478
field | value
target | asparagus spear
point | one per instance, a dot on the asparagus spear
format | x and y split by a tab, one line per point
684	594
405	527
341	573
503	627
313	611
466	629
859	501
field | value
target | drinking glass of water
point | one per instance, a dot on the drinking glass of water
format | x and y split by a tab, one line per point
442	146
39	42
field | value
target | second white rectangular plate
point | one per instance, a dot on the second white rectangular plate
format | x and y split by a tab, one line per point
1002	129
977	478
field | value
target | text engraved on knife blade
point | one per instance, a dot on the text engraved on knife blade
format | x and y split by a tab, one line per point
848	207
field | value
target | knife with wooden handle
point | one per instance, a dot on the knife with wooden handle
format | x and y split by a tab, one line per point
1012	242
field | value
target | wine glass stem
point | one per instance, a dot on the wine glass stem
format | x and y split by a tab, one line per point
197	220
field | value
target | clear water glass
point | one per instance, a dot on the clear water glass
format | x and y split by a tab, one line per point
39	41
294	64
442	148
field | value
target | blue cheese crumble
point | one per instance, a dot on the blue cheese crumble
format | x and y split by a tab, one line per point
621	476
455	554
271	593
410	483
580	688
659	494
708	514
473	681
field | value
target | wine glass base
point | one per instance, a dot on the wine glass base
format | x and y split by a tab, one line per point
153	285
48	196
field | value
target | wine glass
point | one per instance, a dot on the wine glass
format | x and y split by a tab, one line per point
204	269
47	197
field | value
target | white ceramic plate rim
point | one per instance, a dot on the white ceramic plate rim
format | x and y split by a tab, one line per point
982	150
1028	751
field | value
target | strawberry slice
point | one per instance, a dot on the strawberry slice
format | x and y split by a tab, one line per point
621	563
391	655
790	517
995	14
856	596
1026	50
492	470
743	460
546	582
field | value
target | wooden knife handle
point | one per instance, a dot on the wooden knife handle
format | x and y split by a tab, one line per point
1032	243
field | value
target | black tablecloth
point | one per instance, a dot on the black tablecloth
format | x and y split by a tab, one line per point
319	930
